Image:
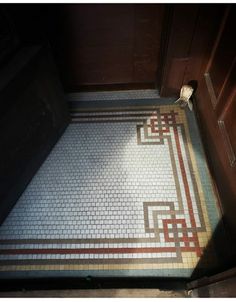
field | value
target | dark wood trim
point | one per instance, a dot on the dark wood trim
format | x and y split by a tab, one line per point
214	98
228	146
208	156
209	280
222	26
183	20
211	90
226	79
167	22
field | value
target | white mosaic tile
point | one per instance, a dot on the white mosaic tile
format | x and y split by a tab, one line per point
115	178
114	95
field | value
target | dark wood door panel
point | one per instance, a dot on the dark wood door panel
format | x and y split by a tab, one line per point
109	44
221	82
227	126
227	91
224	55
222	59
147	42
216	103
98	67
192	31
219	156
98	44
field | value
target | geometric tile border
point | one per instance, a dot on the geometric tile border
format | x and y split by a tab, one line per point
183	224
155	129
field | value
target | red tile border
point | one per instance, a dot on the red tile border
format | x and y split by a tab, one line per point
88	251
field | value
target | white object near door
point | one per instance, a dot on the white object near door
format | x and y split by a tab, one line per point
185	95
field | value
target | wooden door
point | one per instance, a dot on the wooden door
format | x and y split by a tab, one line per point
216	103
109	45
220	77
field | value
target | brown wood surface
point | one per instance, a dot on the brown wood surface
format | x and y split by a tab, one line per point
109	44
182	22
216	106
202	49
231	273
222	289
192	29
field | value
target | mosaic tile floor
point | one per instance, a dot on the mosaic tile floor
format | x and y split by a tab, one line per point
113	95
123	193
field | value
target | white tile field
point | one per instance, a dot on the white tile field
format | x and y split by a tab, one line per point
93	185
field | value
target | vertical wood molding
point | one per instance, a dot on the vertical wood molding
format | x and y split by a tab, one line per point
213	97
226	79
211	90
165	37
182	25
228	146
222	26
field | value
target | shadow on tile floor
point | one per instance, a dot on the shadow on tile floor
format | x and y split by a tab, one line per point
24	285
218	256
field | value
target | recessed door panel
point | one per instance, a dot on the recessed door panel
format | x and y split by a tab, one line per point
104	44
222	60
221	82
